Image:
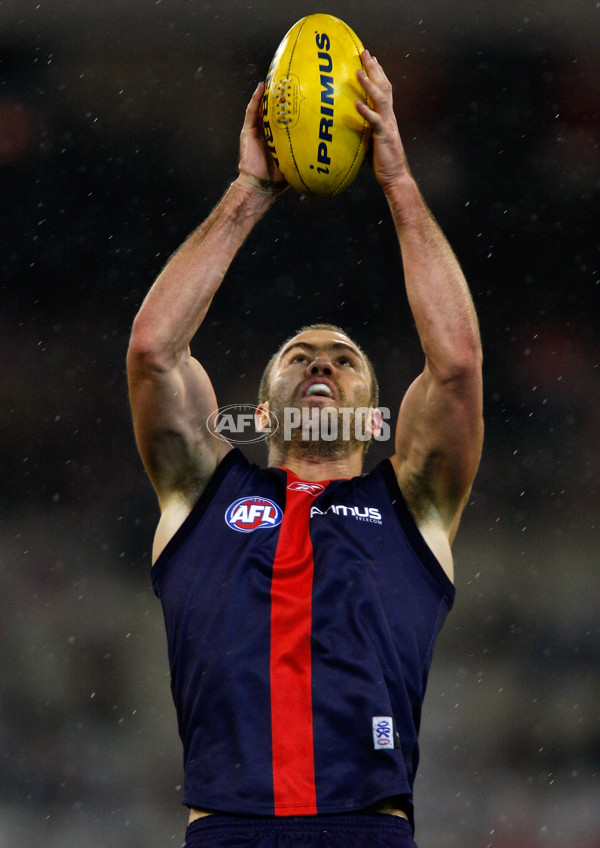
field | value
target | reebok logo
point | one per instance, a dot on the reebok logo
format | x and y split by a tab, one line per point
313	489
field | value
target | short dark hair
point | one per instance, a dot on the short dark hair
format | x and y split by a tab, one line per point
263	389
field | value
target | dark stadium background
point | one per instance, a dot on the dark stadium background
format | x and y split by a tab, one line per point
119	124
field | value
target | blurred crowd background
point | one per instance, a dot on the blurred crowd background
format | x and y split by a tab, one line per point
119	125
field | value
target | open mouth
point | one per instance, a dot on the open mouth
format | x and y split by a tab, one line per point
319	388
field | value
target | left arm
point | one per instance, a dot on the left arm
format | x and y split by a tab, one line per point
440	426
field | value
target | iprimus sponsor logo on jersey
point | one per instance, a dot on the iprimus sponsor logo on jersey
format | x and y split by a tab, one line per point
366	513
254	513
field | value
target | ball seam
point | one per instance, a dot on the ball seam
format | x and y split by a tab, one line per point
287	132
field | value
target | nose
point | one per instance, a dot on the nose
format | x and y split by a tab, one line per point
321	364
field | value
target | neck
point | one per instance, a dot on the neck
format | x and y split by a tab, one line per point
309	467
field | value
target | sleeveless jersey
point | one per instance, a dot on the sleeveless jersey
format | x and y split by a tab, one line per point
301	619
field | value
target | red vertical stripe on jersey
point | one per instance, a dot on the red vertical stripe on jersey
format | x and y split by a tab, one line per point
291	695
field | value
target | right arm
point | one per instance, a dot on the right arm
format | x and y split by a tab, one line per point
440	425
171	395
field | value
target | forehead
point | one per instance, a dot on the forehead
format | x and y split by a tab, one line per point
317	340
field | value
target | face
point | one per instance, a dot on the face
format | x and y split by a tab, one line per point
320	370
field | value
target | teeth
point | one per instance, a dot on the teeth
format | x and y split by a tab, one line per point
319	389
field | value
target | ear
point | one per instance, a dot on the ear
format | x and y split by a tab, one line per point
263	418
375	422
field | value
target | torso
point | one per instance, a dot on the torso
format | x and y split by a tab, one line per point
369	524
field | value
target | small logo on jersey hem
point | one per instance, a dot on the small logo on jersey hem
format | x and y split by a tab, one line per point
253	513
383	733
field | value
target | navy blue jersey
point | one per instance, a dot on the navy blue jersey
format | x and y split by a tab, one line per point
301	619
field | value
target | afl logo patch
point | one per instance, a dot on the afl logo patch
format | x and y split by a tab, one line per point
310	488
253	513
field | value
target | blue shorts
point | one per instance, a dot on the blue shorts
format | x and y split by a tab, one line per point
359	830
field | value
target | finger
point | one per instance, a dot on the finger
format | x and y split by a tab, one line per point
373	92
374	75
370	115
379	108
253	107
379	89
373	69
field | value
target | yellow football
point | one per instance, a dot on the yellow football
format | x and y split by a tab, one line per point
312	127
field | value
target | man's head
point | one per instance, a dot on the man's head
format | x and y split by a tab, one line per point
323	388
336	335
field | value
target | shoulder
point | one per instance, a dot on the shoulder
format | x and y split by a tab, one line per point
420	504
176	509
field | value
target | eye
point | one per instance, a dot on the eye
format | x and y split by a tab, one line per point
345	360
299	357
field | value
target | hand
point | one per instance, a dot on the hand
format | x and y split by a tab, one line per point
388	156
257	168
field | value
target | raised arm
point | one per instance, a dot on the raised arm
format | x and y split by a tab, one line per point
440	430
170	392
